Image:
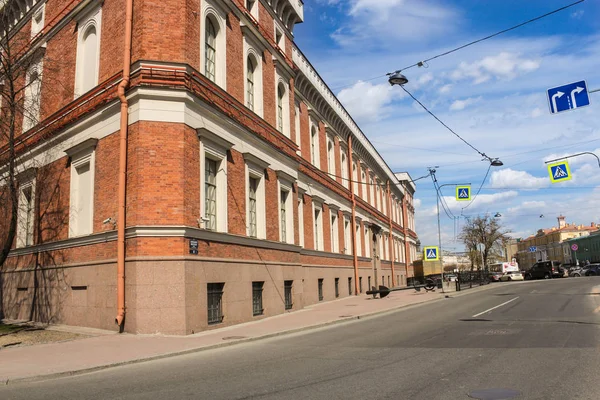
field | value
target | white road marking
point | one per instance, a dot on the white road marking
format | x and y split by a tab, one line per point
493	308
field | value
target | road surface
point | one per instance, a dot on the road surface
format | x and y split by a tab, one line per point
539	339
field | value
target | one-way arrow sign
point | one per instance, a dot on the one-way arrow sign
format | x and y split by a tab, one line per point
568	97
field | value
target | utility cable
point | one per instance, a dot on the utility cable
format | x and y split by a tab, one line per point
421	63
446	126
424	62
478	190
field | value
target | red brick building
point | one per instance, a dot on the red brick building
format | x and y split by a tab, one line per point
247	188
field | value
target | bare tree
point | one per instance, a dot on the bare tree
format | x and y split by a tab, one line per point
486	232
20	109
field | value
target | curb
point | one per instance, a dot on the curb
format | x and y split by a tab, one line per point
83	371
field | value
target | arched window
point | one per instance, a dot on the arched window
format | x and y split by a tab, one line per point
280	95
210	49
250	68
90	59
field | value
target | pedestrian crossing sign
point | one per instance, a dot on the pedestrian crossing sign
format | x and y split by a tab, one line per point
463	193
431	253
559	171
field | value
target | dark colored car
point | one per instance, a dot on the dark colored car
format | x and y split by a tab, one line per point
545	270
495	276
592	270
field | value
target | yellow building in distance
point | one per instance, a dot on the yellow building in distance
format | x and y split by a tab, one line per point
546	244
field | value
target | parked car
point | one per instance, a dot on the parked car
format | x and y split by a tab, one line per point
546	270
592	270
512	276
495	276
577	272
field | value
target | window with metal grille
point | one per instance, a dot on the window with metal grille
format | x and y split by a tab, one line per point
257	304
320	289
350	286
287	290
369	283
215	302
210	196
280	94
337	287
360	284
250	83
210	50
282	212
252	187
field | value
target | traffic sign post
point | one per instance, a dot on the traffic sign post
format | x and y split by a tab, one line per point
463	193
574	247
532	249
568	97
559	171
431	253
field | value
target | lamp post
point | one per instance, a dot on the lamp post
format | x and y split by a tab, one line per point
437	199
575	155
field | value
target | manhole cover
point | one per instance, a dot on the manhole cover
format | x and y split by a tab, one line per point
234	337
494	394
346	316
351	305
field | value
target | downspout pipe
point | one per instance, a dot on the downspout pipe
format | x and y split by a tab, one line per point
407	261
391	235
353	224
120	319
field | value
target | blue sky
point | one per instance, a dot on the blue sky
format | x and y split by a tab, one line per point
492	94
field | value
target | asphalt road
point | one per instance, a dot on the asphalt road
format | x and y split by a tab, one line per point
539	339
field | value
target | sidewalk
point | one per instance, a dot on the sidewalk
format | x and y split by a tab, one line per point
109	349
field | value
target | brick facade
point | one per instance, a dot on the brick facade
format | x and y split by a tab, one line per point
178	119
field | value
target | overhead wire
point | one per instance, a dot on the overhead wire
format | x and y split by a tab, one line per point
445	126
424	62
478	190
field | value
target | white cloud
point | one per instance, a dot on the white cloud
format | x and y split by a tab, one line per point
388	22
417	203
577	14
446	89
462	104
536	112
509	178
528	206
367	102
504	66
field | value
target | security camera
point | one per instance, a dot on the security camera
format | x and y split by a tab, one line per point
107	221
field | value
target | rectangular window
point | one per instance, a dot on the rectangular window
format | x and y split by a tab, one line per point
320	289
26	214
257	304
37	21
358	241
360	284
318	228
301	219
335	247
287	290
369	283
215	302
349	286
283	215
337	287
81	208
347	244
252	188
31	102
210	196
367	242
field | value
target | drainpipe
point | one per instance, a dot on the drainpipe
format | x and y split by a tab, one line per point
353	224
405	231
391	236
123	167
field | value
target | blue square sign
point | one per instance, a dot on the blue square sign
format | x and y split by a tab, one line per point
568	97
